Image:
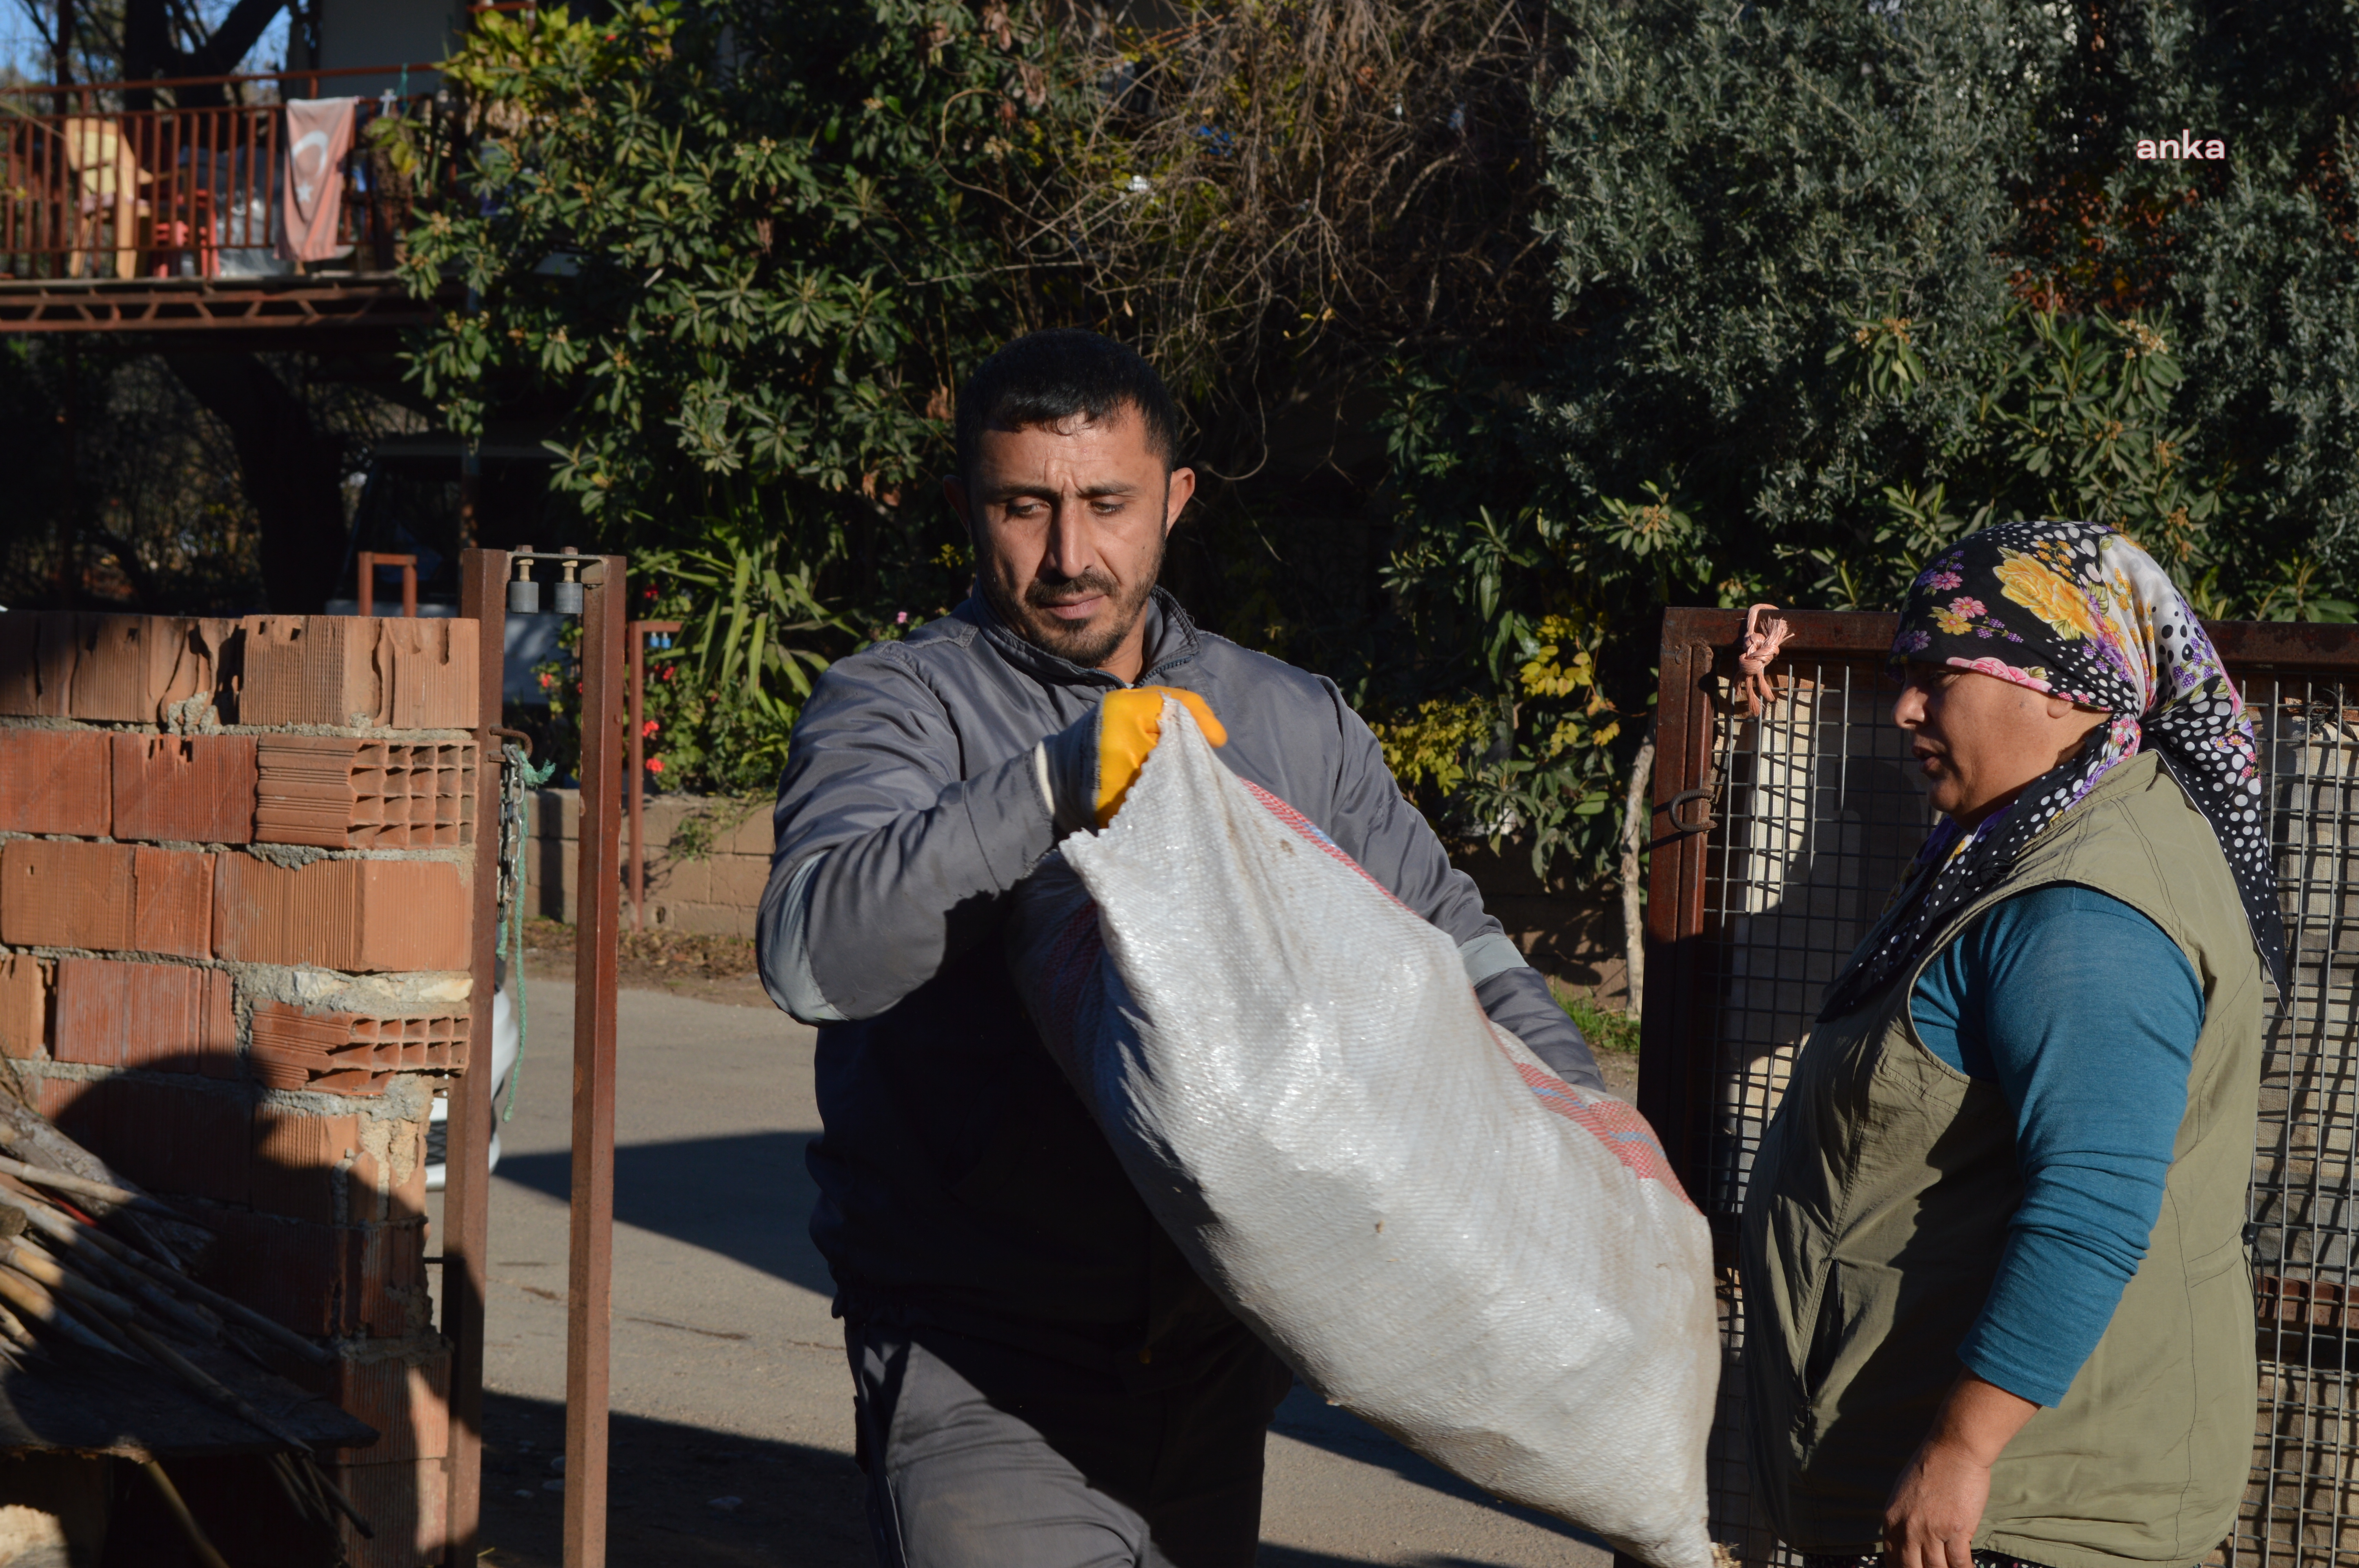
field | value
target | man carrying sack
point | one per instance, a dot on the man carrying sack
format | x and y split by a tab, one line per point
1040	1380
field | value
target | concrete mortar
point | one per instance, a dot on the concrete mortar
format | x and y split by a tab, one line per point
294	857
410	1350
173	726
406	1099
192	716
411	993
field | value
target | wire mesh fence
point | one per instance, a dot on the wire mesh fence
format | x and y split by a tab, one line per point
1813	819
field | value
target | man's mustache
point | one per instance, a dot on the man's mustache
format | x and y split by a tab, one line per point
1093	583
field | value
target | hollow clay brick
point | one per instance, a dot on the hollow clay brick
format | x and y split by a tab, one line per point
428	668
355	915
195	789
296	1159
302	1274
337	793
406	1504
161	1017
407	1398
111	659
36	661
217	1027
106	897
196	669
93	1006
290	1047
174	1137
61	1104
138	669
337	1053
60	894
340	669
307	788
291	1028
54	780
310	669
437	1043
394	1302
322	1279
373	1190
172	904
352	1081
25	989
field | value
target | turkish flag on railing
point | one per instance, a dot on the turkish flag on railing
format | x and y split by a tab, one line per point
319	134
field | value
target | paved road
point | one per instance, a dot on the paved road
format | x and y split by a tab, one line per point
731	1407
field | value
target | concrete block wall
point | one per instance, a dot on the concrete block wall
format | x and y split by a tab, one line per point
715	893
234	912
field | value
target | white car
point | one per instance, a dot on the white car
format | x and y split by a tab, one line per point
507	1043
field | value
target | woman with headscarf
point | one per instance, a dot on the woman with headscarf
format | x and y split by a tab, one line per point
1999	1306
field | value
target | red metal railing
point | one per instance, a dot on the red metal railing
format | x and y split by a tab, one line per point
91	190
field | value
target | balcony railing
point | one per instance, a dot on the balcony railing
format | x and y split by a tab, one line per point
92	189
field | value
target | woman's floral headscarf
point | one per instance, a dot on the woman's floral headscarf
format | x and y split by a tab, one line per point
2076	609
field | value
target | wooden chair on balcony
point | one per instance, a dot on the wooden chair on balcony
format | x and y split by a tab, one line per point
108	181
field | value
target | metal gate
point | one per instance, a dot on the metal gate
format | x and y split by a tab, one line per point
1776	841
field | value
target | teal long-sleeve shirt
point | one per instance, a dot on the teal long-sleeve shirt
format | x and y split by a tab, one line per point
2086	1016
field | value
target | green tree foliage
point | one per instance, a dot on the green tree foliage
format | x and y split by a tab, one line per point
1839	281
1832	283
747	280
1737	189
2253	256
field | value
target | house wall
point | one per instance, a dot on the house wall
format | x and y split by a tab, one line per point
235	915
714	892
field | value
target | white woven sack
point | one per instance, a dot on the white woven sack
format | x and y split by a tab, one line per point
1432	1230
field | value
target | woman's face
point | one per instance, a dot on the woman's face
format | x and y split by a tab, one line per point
1980	739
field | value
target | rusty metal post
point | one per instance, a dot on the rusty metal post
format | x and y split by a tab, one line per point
466	1199
1674	1063
69	521
589	1266
367	562
639	632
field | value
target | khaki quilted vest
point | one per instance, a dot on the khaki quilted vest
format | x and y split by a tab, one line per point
1879	1204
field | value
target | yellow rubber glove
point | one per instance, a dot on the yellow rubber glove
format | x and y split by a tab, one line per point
1129	723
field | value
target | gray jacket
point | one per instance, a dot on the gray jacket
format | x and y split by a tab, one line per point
959	1179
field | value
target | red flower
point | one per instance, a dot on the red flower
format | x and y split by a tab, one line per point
649	728
655	764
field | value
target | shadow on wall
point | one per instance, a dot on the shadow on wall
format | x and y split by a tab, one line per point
315	1209
680	1190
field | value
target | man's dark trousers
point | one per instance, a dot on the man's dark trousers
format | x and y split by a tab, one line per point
986	1456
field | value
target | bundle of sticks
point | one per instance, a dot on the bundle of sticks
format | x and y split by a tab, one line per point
89	1259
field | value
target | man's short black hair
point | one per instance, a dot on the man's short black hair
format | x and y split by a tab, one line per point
1048	377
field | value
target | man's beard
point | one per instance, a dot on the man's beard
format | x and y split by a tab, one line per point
1091	642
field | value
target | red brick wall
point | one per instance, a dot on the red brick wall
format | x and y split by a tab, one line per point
235	861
